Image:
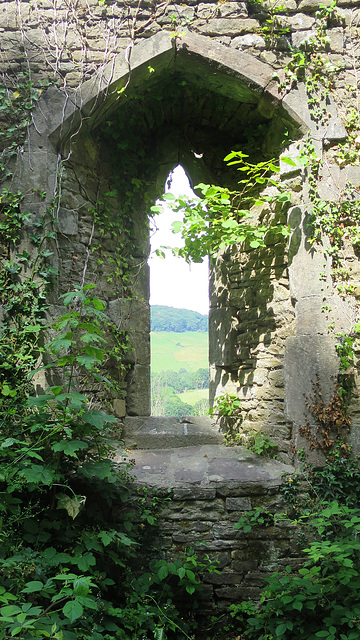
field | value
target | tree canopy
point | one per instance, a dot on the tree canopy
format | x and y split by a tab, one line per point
170	319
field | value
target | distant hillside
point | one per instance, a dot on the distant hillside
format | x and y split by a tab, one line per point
179	320
173	350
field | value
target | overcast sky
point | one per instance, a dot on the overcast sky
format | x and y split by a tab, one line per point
172	281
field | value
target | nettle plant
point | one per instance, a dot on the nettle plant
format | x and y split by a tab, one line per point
317	597
68	567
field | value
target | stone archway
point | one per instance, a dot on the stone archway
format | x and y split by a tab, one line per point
73	126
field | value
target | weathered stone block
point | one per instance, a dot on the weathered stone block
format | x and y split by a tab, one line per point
129	314
68	222
308	267
232	9
193	493
222	338
225	531
138	398
225	578
336	39
119	405
308	359
249	41
298	22
227	26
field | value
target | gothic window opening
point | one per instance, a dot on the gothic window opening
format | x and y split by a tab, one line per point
179	299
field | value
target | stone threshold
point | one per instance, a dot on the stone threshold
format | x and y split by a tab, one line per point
195	467
167	433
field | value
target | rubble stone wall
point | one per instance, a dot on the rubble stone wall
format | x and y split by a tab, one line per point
274	315
203	519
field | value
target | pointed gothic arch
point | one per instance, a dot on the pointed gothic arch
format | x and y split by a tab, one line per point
223	94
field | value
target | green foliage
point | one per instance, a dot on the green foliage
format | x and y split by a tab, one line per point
53	457
222	216
338	480
338	220
179	320
165	402
345	348
332	420
260	444
310	64
256	518
272	28
227	409
166	387
228	404
24	280
65	574
17	100
319	599
182	380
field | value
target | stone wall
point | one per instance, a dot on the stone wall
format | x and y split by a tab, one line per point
171	79
205	490
273	317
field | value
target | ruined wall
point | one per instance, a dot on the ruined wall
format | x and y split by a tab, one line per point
100	102
202	493
273	312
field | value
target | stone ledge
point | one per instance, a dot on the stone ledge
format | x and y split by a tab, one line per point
233	470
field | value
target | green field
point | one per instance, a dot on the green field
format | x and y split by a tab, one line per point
172	350
194	395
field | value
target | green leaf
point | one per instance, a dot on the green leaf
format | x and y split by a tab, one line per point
73	610
176	226
72	505
98	304
163	572
8	442
280	629
32	586
38	474
85	561
10	610
87	361
190	575
98	418
69	447
102	469
288	161
159	633
32	328
105	538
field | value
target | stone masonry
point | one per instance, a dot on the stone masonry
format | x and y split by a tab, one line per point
128	91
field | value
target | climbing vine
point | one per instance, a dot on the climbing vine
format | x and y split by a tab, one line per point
55	551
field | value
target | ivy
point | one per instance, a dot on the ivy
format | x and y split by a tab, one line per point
18	98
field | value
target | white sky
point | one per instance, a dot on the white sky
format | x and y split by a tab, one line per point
172	281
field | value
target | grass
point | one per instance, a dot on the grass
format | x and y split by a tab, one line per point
194	395
175	351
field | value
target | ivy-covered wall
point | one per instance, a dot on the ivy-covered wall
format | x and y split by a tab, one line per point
102	99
